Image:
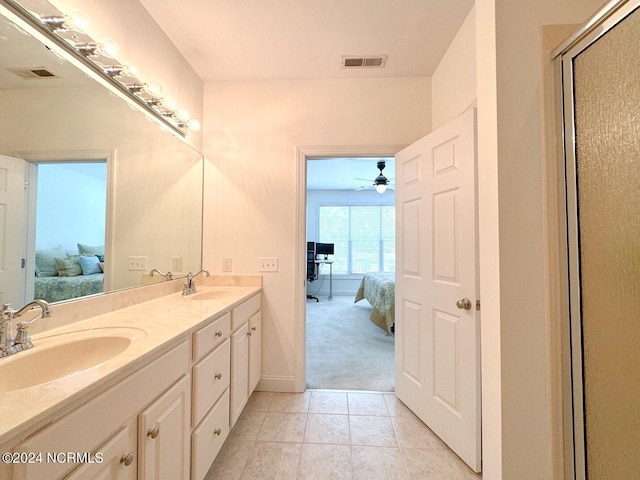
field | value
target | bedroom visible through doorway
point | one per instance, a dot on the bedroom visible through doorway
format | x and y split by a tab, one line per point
348	215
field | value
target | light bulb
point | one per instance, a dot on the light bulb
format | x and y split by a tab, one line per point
76	19
193	124
170	103
153	88
381	188
183	114
108	48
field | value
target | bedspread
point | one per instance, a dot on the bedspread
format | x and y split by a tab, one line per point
379	290
56	289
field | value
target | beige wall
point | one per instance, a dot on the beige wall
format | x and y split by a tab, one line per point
251	133
453	84
143	44
515	383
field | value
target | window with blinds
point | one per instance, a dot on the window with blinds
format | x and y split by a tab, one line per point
364	237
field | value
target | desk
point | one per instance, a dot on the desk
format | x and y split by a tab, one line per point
330	263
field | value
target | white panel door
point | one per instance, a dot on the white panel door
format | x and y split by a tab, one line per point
12	231
437	325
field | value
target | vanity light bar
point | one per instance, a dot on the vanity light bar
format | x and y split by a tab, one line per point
90	54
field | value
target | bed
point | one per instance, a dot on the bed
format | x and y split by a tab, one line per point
379	290
56	289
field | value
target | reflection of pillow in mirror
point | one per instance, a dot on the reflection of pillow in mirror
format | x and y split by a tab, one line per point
45	264
68	266
90	249
89	265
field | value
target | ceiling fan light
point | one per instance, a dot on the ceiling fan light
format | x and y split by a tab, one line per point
381	188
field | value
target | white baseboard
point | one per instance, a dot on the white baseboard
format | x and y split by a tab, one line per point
275	383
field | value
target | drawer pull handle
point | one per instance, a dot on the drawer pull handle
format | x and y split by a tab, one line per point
218	376
217	432
253	328
248	334
153	433
219	333
127	459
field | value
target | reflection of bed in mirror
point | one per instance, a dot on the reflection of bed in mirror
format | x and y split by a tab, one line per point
379	290
154	179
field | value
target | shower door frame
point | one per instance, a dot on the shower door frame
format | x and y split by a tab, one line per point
574	412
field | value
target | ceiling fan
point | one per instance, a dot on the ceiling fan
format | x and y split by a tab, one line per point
381	183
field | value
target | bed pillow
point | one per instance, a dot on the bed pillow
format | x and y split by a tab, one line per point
45	261
90	249
68	266
89	264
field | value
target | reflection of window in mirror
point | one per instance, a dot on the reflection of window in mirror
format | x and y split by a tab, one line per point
70	218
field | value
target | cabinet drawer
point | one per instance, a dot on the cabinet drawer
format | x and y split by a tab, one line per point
210	378
208	438
243	312
209	337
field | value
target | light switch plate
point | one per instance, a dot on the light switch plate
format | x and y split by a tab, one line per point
226	264
137	263
176	264
267	264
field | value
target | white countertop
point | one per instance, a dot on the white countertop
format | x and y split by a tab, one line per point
163	323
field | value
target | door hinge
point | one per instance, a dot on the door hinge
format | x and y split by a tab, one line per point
26	184
477	304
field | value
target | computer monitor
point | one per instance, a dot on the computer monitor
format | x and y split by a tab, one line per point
325	249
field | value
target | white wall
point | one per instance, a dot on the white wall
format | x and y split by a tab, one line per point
251	132
453	84
71	208
512	251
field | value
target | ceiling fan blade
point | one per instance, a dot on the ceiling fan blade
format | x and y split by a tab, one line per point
364	188
364	179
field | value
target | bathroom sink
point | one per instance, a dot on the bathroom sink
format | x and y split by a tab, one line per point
212	295
62	355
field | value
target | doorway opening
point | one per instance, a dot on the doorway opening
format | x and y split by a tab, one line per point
350	231
69	206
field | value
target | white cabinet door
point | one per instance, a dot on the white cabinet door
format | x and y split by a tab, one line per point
255	351
164	435
437	325
239	372
118	458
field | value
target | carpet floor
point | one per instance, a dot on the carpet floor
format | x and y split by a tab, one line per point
345	351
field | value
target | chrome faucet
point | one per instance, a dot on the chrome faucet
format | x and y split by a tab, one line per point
168	276
22	341
190	286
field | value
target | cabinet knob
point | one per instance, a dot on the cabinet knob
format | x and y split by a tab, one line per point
253	329
218	376
248	334
153	433
217	432
219	333
127	459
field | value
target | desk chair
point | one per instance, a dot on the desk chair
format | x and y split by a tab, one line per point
312	272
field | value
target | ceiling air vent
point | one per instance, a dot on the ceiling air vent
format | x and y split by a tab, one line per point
368	61
38	72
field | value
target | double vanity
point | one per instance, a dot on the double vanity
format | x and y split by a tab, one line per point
148	390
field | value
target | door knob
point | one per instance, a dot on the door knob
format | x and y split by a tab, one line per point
464	304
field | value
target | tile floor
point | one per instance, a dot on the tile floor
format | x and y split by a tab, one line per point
328	435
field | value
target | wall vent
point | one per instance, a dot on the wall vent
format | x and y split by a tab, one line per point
364	61
37	72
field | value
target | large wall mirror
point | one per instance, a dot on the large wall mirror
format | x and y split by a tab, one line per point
93	195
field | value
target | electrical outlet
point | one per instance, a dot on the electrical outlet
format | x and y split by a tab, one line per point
226	264
137	263
176	264
267	264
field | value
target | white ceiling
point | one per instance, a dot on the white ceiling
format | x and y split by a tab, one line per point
306	39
